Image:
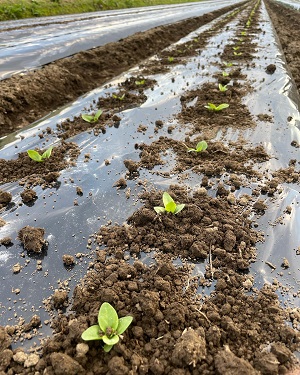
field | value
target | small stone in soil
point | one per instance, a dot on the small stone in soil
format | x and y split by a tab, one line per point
121	183
270	69
17	268
59	298
68	260
32	238
6	241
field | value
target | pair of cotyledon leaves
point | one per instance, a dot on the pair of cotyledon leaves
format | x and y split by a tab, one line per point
109	327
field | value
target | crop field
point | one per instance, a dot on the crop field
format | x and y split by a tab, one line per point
150	202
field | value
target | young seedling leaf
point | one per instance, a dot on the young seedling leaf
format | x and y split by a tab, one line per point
159	210
34	155
179	208
110	340
201	146
225	74
92	333
107	348
87	118
235	48
107	317
97	115
124	323
213	107
222	106
171	207
47	153
139	83
170	59
222	88
167	198
237	53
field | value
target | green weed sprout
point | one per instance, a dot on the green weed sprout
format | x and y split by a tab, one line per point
222	88
201	146
170	59
169	205
109	328
118	97
225	74
92	118
34	155
140	83
213	107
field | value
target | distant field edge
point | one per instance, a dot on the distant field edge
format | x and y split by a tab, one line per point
18	9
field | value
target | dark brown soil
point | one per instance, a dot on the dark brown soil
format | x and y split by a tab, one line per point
209	322
32	238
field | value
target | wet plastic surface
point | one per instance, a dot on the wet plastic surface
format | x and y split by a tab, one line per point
68	227
295	4
32	43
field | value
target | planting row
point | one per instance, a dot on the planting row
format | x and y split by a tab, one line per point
181	187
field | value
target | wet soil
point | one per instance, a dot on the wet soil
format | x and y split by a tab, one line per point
185	321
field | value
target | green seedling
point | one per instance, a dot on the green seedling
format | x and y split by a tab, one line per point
235	48
213	107
228	65
225	74
222	88
109	328
140	83
237	53
92	118
248	23
169	205
34	155
170	59
201	146
118	97
243	33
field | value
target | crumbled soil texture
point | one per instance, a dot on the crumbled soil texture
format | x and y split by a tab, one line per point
171	333
24	99
32	238
216	160
286	22
177	328
30	172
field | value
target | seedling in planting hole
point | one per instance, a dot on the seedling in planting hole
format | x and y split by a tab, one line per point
244	33
213	107
169	205
228	65
235	48
34	155
140	83
170	59
118	97
92	118
109	328
201	146
237	53
222	88
225	74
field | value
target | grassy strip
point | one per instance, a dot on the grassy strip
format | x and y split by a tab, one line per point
17	9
